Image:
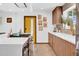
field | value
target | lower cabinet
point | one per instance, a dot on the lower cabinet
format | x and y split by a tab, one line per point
60	46
70	49
50	39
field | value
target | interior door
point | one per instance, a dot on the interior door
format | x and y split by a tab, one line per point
27	24
30	26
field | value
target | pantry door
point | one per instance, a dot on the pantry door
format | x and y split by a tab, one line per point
30	26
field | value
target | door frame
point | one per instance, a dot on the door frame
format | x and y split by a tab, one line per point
35	27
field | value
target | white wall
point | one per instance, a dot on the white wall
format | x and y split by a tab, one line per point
18	23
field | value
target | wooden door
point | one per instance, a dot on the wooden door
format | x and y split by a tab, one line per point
27	25
30	26
34	29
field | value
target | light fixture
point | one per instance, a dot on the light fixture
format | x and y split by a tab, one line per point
16	5
21	5
25	5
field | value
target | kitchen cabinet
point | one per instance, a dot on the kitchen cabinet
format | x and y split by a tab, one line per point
70	49
60	46
50	39
56	15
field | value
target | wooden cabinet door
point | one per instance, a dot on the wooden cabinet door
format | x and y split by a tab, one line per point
73	50
50	39
56	15
55	47
69	49
54	41
60	46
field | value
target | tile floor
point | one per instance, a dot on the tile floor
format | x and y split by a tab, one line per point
43	50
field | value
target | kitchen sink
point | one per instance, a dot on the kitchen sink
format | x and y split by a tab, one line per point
21	35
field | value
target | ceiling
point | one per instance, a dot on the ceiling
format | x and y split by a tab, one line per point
30	7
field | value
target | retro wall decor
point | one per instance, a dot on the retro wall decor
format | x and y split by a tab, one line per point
40	25
9	20
44	21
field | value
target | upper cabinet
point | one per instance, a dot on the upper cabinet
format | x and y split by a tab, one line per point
56	15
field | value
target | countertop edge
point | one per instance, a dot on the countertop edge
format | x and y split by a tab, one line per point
65	37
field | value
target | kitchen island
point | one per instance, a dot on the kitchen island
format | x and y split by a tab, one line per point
12	46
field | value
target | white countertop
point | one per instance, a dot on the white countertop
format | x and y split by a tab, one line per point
13	40
12	46
64	36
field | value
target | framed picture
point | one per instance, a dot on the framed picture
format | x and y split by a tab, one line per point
39	16
45	24
40	27
9	20
40	22
45	21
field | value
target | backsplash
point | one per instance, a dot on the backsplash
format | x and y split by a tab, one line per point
51	27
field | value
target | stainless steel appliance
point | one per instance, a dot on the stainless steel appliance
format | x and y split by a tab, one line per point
25	50
28	48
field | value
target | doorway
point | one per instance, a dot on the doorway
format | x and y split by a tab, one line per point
30	26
